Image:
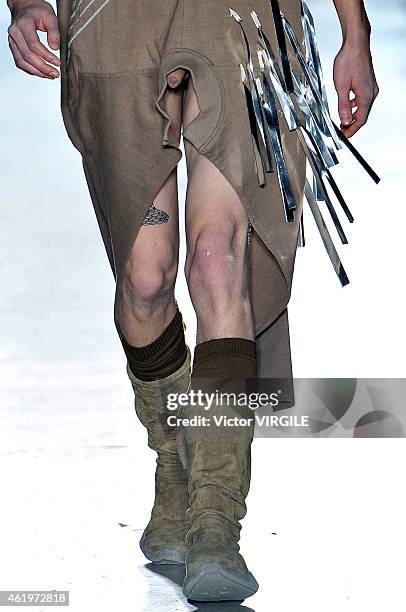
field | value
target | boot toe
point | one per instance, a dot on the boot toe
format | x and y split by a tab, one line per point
217	573
215	582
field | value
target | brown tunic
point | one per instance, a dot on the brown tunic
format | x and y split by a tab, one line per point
115	57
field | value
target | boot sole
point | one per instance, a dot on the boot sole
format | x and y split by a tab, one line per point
167	556
214	583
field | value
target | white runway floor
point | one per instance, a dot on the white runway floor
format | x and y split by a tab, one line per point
325	528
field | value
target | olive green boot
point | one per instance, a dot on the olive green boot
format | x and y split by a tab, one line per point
163	540
219	469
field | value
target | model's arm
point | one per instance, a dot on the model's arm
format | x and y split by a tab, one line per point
353	70
30	55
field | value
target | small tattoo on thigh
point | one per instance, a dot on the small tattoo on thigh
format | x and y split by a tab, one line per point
155	216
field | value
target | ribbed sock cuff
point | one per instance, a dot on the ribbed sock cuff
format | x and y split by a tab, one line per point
160	358
225	347
224	357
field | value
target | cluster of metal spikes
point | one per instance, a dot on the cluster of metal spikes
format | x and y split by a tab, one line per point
319	136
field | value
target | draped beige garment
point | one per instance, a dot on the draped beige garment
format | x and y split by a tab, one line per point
115	57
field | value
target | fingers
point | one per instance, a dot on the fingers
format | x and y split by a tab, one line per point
28	51
21	63
356	109
35	46
360	118
363	101
52	30
345	107
175	78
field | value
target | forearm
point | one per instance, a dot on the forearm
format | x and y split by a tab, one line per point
353	18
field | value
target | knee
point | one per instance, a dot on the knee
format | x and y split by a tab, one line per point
146	285
214	260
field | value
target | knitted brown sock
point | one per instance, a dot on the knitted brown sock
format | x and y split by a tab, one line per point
162	357
223	369
224	358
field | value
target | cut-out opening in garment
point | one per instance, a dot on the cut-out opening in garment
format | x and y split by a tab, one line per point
212	132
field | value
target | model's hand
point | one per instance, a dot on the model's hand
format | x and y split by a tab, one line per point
356	85
29	53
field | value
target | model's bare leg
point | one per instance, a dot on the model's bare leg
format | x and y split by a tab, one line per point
147	304
216	264
158	360
219	461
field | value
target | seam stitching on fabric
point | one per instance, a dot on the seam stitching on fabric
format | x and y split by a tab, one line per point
183	21
142	72
222	113
72	69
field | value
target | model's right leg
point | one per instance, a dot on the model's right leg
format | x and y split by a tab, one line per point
145	302
151	330
110	86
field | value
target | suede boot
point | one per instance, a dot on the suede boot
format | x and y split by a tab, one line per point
163	540
219	471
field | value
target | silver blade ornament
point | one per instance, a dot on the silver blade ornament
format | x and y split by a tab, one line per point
303	101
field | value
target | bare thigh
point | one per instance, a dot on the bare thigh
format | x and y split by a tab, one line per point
147	304
216	232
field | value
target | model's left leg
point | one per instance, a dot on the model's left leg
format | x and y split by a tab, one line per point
216	270
218	464
216	264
